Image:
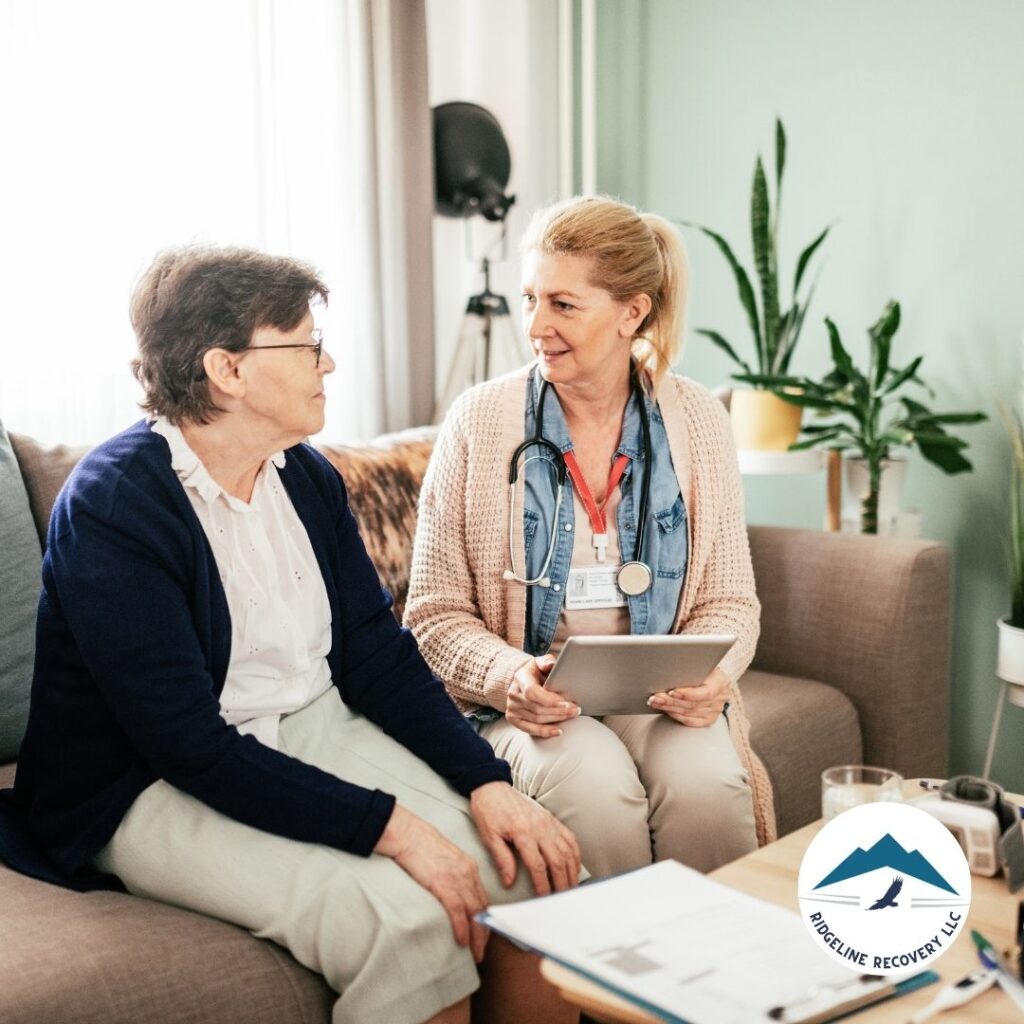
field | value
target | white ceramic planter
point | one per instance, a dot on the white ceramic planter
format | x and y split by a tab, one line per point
1010	660
890	493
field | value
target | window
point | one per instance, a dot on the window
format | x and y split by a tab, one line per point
129	127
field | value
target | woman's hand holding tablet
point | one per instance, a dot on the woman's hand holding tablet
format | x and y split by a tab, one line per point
695	706
531	707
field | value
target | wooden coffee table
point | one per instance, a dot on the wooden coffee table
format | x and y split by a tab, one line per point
771	873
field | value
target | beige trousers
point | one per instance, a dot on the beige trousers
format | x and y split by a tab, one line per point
637	788
378	937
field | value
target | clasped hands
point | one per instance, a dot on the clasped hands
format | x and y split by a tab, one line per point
539	712
509	823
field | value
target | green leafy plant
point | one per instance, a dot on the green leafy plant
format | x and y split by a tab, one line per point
869	417
1015	428
775	330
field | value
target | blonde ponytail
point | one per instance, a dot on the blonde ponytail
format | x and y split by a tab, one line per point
662	339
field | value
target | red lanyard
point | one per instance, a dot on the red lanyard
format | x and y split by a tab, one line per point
597	520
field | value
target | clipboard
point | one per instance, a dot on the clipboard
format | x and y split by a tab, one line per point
665	938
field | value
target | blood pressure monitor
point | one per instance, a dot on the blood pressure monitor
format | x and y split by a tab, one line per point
986	825
976	829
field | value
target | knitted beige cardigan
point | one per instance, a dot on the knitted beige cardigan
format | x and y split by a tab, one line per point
470	622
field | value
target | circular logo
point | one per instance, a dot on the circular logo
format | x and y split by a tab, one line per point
884	889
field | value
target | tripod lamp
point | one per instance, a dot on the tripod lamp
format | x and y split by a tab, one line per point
471	171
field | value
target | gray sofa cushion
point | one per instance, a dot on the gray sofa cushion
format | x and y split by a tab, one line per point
121	960
79	958
799	727
19	596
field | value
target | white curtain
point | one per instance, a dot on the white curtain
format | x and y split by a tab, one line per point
396	176
132	126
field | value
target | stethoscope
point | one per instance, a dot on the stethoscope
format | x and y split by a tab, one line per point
633	578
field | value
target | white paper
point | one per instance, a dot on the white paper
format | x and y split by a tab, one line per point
671	938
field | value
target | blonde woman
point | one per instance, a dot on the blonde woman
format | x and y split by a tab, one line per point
604	290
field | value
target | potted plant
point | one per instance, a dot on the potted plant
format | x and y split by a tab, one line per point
1010	664
775	330
861	404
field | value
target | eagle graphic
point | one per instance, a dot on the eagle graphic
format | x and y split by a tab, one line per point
889	899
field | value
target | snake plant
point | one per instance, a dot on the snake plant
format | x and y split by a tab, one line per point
775	330
870	418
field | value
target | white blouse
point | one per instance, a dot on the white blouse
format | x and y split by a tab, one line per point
280	615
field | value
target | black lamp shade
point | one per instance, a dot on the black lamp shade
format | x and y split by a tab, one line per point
471	162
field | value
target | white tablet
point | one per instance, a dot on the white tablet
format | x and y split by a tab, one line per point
614	675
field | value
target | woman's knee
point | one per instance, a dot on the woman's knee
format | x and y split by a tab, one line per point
357	927
586	759
701	803
678	758
589	782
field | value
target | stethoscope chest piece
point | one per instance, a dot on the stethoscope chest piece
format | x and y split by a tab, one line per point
634	578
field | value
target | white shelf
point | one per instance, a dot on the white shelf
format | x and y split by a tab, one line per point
758	463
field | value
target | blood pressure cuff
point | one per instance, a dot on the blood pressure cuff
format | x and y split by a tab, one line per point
968	789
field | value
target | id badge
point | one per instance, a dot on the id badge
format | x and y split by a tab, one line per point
594	587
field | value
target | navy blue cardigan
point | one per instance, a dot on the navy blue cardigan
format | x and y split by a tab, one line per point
132	646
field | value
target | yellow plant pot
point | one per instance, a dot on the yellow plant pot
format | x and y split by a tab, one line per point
763	422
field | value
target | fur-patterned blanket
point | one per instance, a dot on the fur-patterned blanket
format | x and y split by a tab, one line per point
383	478
383	481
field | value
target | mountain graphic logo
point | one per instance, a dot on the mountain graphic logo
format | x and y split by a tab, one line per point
886	853
884	889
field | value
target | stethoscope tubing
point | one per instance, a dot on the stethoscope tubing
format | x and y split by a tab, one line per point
558	460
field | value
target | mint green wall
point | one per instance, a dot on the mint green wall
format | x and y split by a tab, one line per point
905	129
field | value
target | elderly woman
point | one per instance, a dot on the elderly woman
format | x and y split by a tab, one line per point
225	714
603	295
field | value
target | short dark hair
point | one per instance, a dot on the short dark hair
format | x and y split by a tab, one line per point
195	298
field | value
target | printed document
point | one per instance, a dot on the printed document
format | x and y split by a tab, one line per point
684	946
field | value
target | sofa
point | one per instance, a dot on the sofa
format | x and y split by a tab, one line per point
852	666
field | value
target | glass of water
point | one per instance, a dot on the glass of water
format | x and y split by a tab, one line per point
850	785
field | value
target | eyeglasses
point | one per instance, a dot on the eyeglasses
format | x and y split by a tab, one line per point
317	346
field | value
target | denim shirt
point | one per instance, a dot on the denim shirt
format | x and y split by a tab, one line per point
665	540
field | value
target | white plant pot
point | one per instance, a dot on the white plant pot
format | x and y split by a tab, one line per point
1010	660
856	482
